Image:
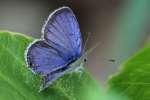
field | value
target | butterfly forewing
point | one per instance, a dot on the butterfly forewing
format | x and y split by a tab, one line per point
61	30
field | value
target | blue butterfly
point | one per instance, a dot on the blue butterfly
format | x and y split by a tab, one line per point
60	45
60	48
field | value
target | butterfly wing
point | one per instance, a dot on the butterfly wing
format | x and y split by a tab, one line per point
43	59
60	45
61	31
50	78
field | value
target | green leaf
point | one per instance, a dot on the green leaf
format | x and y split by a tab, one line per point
17	82
133	80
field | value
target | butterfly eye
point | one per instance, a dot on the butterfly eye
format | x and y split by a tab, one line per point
85	60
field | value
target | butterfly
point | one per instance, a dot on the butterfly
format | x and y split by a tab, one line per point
60	48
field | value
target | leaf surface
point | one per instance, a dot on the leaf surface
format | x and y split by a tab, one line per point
133	80
17	82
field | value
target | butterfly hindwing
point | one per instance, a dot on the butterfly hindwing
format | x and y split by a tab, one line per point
51	77
43	58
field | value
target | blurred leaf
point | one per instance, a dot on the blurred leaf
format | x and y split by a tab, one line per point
18	83
134	78
130	29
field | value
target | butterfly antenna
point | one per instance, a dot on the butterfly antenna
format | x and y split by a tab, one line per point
87	39
111	60
92	49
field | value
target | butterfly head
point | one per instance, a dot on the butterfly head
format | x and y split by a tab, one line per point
83	59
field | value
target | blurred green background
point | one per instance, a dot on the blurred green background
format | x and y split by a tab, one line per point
122	26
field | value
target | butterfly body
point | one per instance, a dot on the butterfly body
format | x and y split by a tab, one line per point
59	50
